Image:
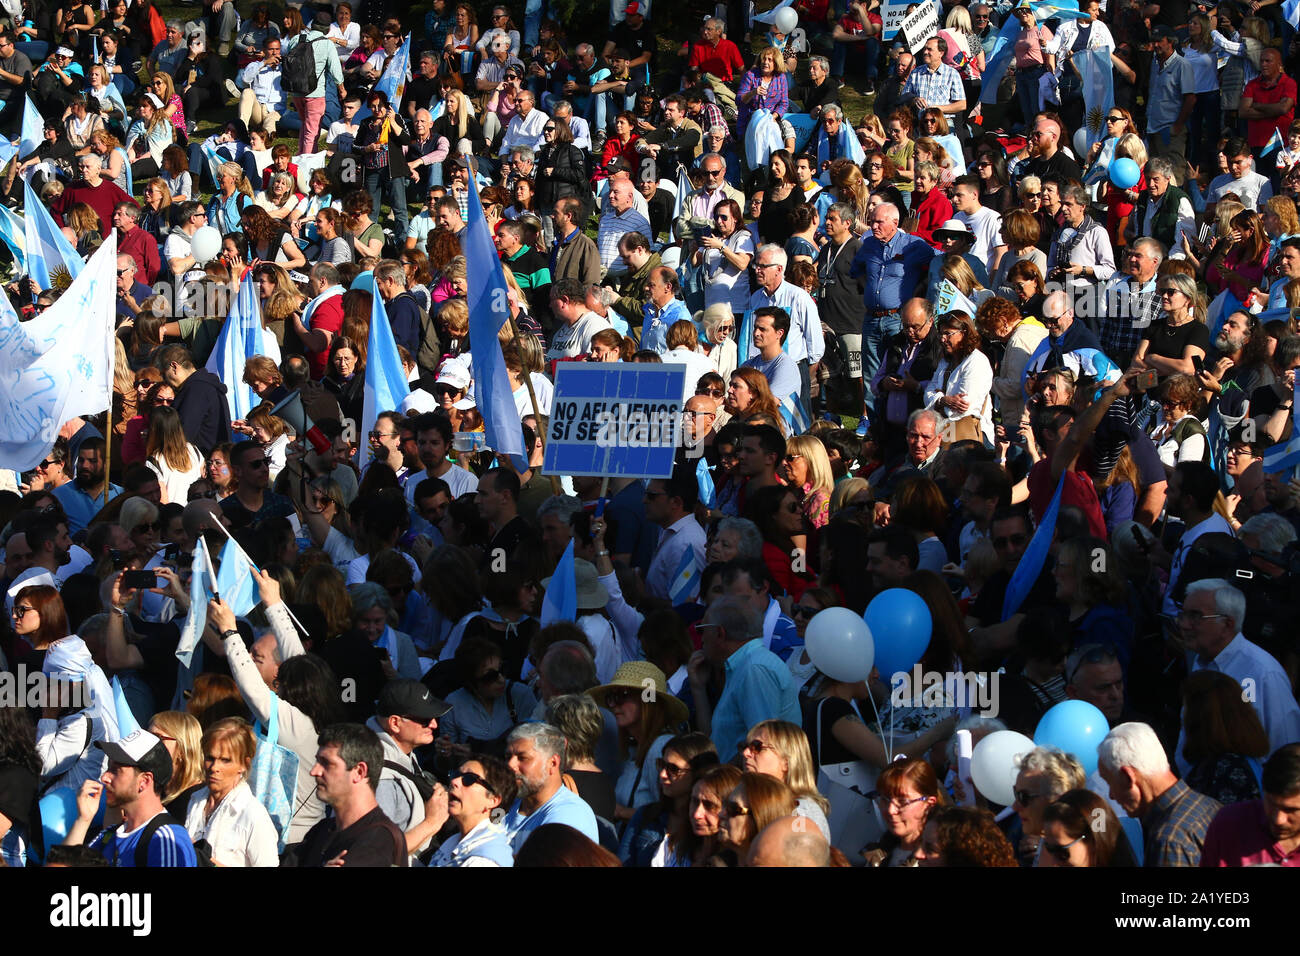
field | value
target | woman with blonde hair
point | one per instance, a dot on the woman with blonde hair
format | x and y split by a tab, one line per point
807	469
224	817
929	150
148	136
1044	775
717	344
849	186
763	87
1120	202
182	735
845	495
1170	345
958	271
780	749
175	461
82	228
113	155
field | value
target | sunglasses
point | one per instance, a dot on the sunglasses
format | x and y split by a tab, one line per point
468	778
714	392
492	676
1114	119
147	527
1165	292
757	746
616	698
803	610
1060	851
671	770
47	462
20	611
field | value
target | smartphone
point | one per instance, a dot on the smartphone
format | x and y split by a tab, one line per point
1146	379
117	558
1198	363
138	579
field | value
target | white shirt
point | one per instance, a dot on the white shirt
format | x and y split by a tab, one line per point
239	830
1252	188
458	480
987	227
351	37
973	377
524	131
544	391
570	341
1214	523
697	364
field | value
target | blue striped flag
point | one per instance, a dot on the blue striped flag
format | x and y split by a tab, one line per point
201	593
33	131
12	234
951	299
240	339
1281	457
1274	141
1291	10
235	582
685	584
794	415
50	257
560	603
489	310
386	384
1098	78
1035	556
393	82
126	722
997	62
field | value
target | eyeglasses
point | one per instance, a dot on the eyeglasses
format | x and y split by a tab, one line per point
468	778
162	736
1196	617
803	610
714	392
1114	119
1015	539
671	770
897	804
765	265
1054	319
733	809
875	165
124	272
949	333
793	457
492	676
146	527
713	172
757	746
689	413
1061	851
1037	195
20	611
548	129
1025	797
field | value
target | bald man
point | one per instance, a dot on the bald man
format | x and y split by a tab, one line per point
790	841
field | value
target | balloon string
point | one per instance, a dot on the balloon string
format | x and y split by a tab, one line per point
889	756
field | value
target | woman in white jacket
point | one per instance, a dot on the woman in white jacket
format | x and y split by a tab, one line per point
224	813
959	390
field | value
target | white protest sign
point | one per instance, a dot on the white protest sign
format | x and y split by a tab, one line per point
893	12
919	25
615	419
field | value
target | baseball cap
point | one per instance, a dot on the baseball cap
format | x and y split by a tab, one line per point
144	751
632	9
404	697
1163	32
455	375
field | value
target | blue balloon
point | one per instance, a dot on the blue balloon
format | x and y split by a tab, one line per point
59	812
900	623
1074	727
1124	173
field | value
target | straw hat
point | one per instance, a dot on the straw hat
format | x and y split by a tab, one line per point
645	677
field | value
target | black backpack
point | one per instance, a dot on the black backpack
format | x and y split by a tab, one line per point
298	74
142	845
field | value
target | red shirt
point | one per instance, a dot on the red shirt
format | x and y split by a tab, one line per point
1259	132
143	248
722	60
328	317
1079	492
854	27
101	198
931	213
1238	836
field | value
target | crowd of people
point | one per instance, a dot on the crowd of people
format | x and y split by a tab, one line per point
936	338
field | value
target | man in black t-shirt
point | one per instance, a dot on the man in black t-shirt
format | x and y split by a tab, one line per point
634	35
356	832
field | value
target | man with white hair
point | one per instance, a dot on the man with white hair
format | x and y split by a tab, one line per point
526	125
892	264
130	290
701	202
617	222
562	112
1210	621
1174	817
805	344
535	752
1081	254
95	190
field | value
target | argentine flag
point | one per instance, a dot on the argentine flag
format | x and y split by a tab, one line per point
49	254
1275	141
685	583
704	479
1098	91
235	581
241	338
560	603
201	579
951	299
12	234
1035	556
386	384
1291	10
793	413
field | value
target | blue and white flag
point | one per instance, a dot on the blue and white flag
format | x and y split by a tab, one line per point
1274	141
762	138
126	722
489	310
770	15
51	259
1056	10
200	594
560	603
1291	10
60	364
393	82
235	581
33	130
794	415
704	479
240	340
685	583
951	299
995	65
385	377
1098	78
13	235
683	190
1035	556
1283	457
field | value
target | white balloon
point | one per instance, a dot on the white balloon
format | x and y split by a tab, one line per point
1081	143
205	245
786	20
840	644
995	764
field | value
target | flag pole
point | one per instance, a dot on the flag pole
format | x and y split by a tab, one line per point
108	426
532	397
